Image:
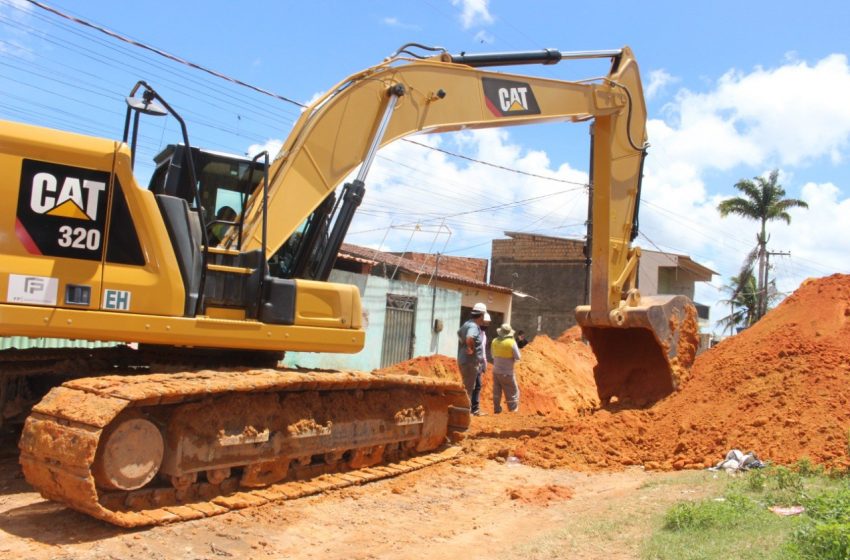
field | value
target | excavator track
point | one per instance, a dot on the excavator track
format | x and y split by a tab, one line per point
230	439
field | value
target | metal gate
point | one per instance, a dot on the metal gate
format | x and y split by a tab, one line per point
399	329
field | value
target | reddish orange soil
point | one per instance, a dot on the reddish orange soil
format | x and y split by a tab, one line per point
555	376
541	495
780	389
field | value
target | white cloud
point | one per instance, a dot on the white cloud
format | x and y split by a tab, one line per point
775	117
272	146
313	99
391	21
16	8
658	81
16	44
474	12
410	184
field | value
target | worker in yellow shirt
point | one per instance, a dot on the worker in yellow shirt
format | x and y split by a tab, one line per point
505	352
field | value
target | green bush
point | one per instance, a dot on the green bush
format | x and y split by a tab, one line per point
775	485
825	531
822	541
756	480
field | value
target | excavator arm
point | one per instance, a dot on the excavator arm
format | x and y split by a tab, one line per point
370	109
637	343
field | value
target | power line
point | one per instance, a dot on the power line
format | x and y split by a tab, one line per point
163	54
476	211
215	73
502	167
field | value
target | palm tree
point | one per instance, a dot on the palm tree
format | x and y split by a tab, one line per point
764	200
742	301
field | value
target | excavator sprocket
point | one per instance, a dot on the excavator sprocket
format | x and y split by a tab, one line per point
159	448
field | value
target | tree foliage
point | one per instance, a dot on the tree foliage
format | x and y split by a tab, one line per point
763	200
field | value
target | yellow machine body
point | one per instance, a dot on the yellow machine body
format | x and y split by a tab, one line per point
141	302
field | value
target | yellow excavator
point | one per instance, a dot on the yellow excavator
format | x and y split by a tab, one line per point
190	417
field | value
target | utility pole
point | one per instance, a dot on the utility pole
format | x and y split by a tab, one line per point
768	254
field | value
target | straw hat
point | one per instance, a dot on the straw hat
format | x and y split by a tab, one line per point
505	330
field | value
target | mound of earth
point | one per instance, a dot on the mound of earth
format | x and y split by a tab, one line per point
780	388
555	376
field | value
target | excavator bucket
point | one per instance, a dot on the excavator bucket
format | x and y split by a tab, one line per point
645	350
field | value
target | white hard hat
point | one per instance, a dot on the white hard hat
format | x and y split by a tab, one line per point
486	317
479	308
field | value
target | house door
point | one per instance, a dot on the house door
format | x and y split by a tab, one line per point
399	329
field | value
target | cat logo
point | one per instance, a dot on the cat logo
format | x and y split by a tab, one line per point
62	210
67	200
506	98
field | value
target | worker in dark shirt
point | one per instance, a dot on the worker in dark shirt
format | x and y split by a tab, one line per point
520	339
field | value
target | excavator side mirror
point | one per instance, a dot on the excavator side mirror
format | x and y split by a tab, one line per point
146	106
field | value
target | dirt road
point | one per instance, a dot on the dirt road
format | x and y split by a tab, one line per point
469	507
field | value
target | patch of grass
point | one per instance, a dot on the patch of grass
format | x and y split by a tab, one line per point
824	533
739	524
716	530
772	486
718	513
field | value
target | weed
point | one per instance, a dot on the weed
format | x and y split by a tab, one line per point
740	526
805	467
755	480
775	485
825	531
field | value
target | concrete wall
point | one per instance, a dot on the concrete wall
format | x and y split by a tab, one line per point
658	273
373	293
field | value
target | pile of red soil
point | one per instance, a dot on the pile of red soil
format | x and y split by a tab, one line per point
780	389
555	376
541	495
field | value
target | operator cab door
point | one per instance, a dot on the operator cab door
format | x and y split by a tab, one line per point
140	272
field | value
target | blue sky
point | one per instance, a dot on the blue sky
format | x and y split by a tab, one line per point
734	90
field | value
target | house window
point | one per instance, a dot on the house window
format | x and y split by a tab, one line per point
666	280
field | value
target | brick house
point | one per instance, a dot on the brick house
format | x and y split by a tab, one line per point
548	276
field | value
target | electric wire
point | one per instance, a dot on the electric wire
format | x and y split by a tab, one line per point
115	63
